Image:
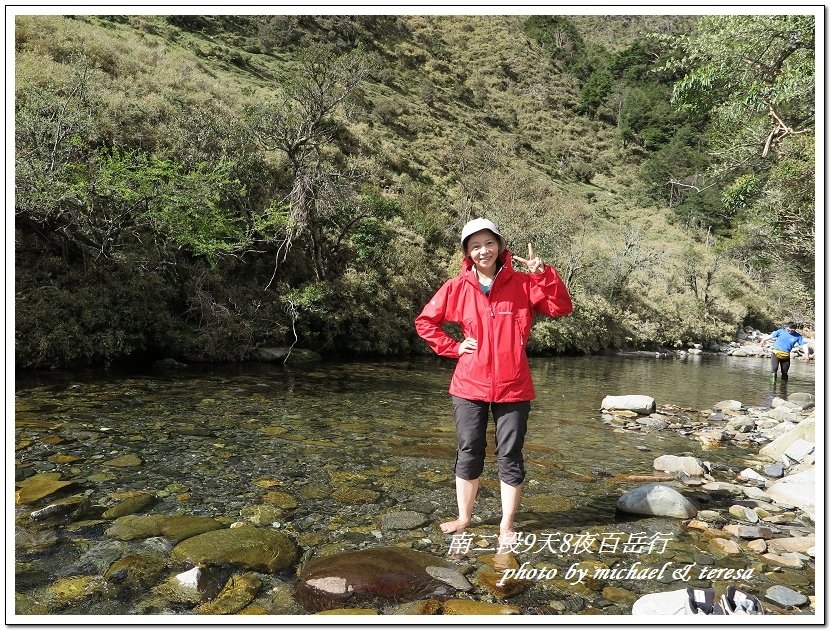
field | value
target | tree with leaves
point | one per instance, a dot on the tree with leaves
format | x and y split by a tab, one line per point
755	76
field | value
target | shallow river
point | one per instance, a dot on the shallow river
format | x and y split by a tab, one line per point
348	443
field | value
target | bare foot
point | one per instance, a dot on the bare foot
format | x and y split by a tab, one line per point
507	541
454	527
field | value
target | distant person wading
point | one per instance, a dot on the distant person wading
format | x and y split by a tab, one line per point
494	306
786	339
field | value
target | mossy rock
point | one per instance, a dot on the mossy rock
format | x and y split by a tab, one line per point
238	593
253	548
39	487
179	528
471	607
137	572
129	504
72	590
136	527
280	499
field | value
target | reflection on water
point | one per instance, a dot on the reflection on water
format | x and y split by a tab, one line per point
351	440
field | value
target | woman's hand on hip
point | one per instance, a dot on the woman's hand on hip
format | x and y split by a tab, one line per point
468	346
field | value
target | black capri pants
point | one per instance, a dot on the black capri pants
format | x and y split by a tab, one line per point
471	418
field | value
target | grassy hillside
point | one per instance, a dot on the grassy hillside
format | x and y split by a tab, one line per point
458	116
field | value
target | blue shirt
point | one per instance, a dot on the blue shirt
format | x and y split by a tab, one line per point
785	340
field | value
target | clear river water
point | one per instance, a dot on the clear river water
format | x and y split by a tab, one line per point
347	442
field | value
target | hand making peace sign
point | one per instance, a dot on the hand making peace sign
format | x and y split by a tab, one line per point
533	262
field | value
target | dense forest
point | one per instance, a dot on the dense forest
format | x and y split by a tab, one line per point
198	187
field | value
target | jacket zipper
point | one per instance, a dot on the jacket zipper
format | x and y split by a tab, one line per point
495	354
489	298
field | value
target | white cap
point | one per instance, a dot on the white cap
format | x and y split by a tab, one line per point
476	225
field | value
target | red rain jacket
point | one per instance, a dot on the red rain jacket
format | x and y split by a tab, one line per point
498	370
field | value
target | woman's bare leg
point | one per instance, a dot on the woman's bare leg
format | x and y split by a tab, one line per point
510	497
465	493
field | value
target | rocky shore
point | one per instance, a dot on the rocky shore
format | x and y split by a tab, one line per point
761	508
750	342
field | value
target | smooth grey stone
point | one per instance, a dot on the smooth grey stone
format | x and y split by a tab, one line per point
785	596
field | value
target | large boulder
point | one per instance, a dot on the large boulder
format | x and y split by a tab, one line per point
656	499
798	451
254	548
801	398
643	405
798	489
804	430
379	575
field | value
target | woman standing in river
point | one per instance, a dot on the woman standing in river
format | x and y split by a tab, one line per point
494	306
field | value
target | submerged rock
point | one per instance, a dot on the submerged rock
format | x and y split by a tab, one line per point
26	541
136	571
62	510
77	588
355	496
179	528
493	581
239	591
129	503
383	574
39	487
131	460
253	548
348	611
194	586
262	514
175	528
136	527
404	520
469	607
418	607
280	499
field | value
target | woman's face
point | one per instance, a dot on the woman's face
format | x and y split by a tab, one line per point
483	248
